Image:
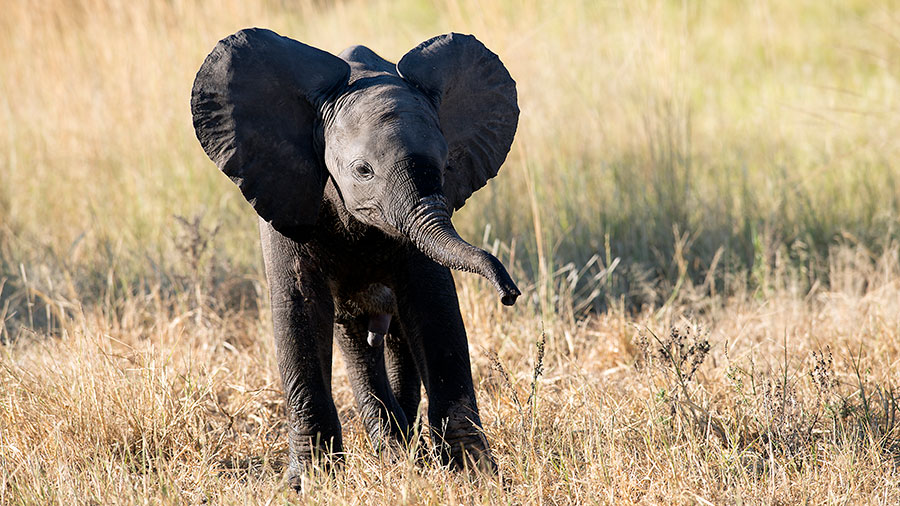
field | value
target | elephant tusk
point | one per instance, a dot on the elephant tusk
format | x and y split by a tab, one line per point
378	327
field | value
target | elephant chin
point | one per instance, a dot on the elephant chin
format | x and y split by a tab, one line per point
428	227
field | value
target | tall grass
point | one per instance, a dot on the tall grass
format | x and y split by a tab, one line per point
759	129
684	173
784	400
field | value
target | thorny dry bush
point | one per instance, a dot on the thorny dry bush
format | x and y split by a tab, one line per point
789	413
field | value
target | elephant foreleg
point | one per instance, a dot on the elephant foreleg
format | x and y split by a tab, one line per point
429	313
302	319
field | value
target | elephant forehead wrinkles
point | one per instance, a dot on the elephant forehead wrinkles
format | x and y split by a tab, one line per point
388	107
381	94
384	130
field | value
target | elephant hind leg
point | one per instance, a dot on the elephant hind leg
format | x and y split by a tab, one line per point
403	374
383	418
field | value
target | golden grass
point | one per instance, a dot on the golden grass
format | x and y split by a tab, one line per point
727	170
165	404
754	127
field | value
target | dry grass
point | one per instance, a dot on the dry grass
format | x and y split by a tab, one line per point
700	206
167	401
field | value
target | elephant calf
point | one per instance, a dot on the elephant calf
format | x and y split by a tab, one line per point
354	166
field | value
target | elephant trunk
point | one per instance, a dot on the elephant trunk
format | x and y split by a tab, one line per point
428	227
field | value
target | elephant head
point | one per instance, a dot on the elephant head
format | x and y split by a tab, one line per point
404	145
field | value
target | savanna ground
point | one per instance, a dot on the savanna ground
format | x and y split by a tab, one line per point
701	207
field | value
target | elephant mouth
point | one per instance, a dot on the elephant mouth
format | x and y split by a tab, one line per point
375	217
369	214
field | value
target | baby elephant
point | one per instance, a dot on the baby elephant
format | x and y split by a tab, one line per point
354	166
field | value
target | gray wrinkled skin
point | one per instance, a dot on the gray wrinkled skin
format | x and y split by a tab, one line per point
354	166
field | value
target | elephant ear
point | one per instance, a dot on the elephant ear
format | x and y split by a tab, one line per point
476	103
255	106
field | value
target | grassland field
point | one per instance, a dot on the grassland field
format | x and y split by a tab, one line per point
701	207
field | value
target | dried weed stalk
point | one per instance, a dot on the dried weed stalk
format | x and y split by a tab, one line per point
528	410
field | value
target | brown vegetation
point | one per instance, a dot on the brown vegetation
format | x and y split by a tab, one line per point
701	211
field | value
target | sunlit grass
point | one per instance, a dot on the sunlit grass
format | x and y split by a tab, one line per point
167	401
717	164
754	128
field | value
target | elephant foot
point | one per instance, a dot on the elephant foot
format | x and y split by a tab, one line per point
306	453
295	478
461	442
468	452
391	439
297	474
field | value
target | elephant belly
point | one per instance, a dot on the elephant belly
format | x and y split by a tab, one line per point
371	300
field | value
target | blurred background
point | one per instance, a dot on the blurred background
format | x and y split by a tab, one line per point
666	149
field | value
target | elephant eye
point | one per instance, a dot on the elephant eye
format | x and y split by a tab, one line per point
363	171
